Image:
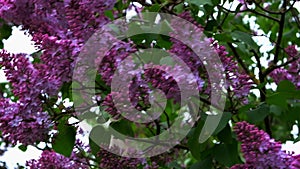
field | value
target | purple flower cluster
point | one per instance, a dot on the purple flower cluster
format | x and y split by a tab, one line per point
291	72
59	29
181	50
260	151
296	163
164	78
86	16
238	83
29	127
24	120
51	159
112	161
113	58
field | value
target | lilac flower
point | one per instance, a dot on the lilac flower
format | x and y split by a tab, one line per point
84	17
22	123
51	159
28	85
242	1
54	26
260	151
238	82
296	163
291	72
113	58
291	50
112	161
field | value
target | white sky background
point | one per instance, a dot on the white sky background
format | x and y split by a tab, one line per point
20	43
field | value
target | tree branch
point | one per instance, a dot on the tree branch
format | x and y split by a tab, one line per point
280	34
273	67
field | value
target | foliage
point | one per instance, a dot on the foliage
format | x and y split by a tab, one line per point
257	117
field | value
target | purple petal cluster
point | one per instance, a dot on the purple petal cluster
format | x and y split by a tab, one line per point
51	159
238	83
291	51
109	160
296	163
113	58
23	124
112	161
259	150
291	72
86	16
59	29
24	121
181	50
164	78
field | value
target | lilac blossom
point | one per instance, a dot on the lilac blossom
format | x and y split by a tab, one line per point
238	82
291	72
21	123
54	26
296	163
112	161
259	150
51	159
28	85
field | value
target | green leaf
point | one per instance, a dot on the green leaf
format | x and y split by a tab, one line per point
297	139
258	114
285	91
94	147
245	37
153	56
22	148
167	61
109	14
274	6
204	164
193	142
223	37
292	114
276	110
65	89
227	154
200	2
216	2
286	86
65	140
5	30
164	42
123	126
165	27
277	99
174	165
274	32
100	135
179	8
264	24
225	135
211	24
223	122
88	115
154	8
